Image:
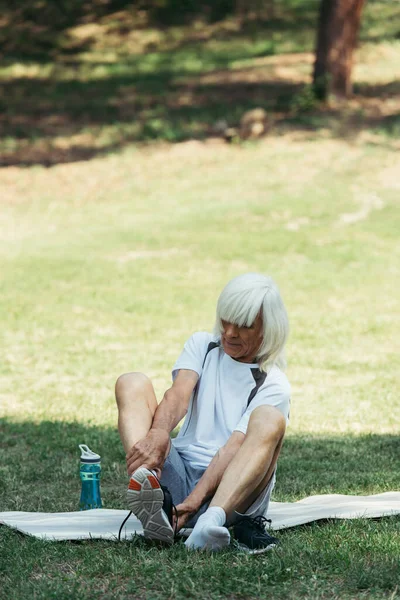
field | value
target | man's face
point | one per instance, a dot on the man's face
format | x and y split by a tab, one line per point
242	343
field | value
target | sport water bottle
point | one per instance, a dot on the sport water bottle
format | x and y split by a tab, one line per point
90	477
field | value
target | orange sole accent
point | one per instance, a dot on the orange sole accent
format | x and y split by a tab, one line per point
134	485
153	482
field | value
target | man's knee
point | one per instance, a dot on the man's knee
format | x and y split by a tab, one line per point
130	385
266	424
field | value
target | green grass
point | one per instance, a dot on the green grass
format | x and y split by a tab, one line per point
109	265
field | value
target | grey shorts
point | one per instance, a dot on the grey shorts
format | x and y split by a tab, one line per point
181	477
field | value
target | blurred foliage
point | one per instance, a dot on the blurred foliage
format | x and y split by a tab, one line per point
179	11
304	101
38	27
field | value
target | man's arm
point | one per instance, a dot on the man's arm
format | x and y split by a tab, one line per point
152	450
174	405
208	484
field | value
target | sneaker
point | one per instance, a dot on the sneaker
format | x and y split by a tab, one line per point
152	504
251	537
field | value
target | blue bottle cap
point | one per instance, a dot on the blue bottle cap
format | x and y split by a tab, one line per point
87	456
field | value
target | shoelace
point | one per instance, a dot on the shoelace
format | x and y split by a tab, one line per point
176	520
163	487
258	523
122	525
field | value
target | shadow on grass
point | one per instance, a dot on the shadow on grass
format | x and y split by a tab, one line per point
338	464
67	110
50	121
43	460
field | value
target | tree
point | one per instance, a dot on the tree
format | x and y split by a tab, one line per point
338	27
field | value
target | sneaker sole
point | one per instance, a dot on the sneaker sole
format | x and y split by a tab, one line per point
145	499
247	550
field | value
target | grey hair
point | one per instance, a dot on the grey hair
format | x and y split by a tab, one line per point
241	300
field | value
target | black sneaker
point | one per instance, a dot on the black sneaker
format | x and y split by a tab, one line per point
250	535
152	504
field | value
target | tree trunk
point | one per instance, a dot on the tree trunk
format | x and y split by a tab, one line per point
339	23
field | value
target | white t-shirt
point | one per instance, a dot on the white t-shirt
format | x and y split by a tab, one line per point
220	405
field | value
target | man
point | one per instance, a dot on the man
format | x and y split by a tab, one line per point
229	385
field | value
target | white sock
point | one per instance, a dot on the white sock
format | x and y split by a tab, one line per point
209	532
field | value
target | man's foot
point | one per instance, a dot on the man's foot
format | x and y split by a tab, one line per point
209	538
152	504
251	537
209	532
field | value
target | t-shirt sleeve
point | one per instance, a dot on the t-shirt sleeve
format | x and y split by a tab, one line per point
193	353
276	393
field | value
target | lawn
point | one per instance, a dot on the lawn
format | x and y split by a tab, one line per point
109	265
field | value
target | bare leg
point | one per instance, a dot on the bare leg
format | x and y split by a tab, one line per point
252	467
137	404
245	477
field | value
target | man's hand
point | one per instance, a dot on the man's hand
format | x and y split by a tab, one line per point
184	512
149	452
